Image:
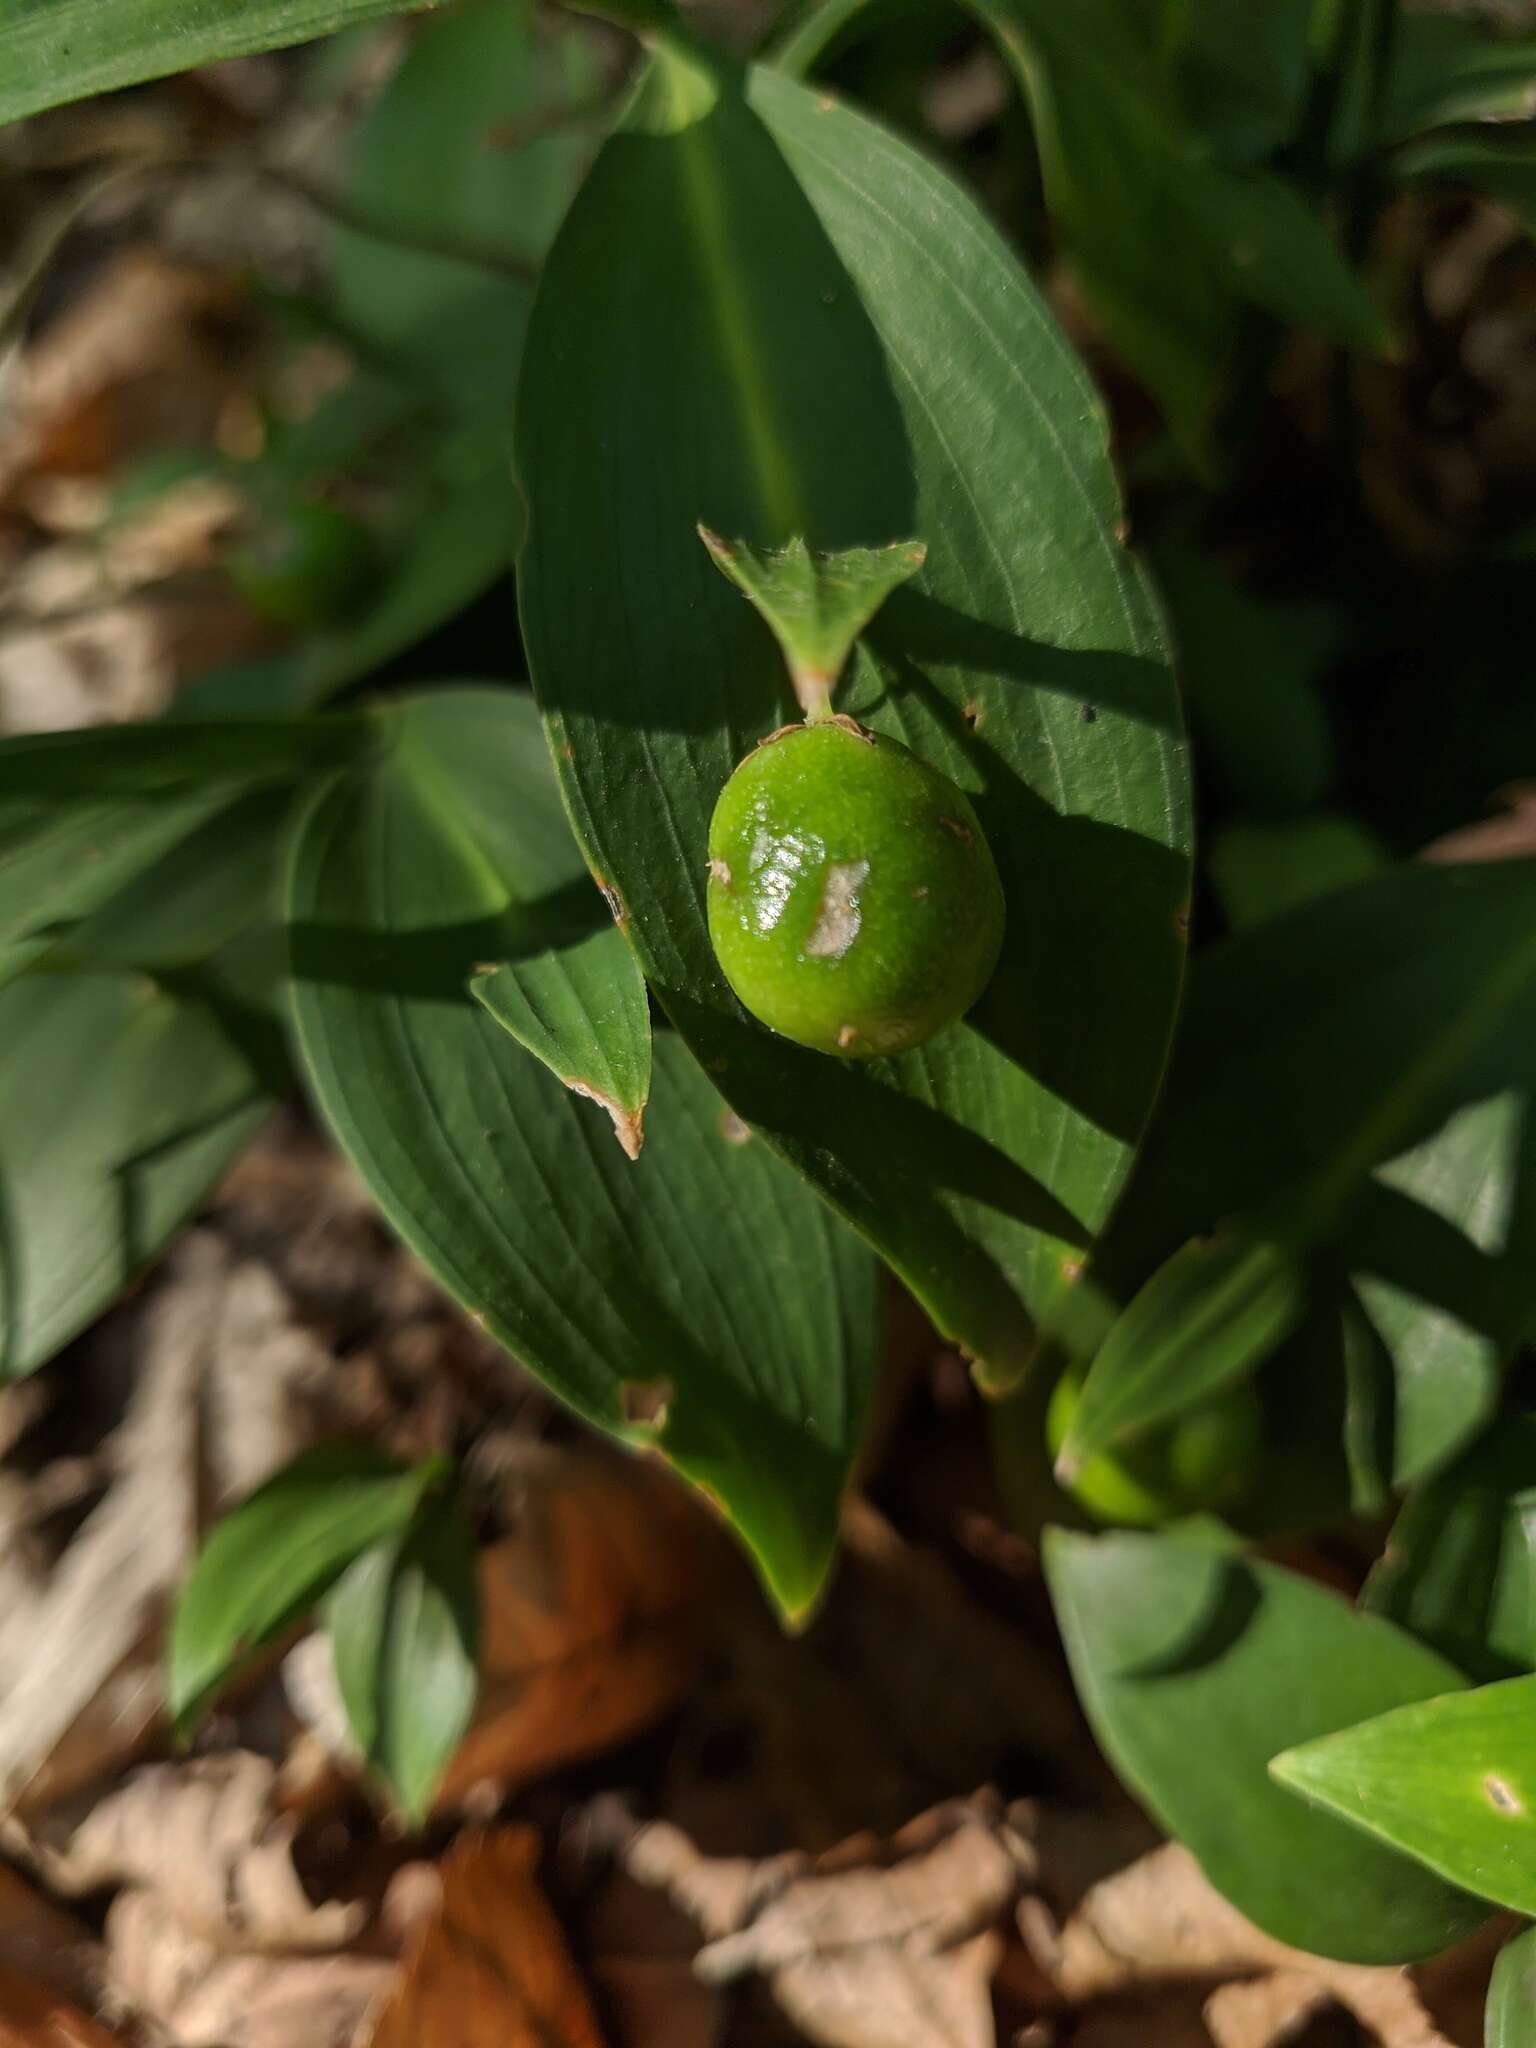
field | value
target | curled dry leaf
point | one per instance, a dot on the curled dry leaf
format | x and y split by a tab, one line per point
1510	834
1159	1920
593	1614
206	1997
33	2016
224	1389
490	1968
202	1836
892	1955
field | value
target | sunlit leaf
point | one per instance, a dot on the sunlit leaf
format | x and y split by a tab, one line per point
766	314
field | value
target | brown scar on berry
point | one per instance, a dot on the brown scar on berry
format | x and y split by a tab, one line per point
1071	1270
721	872
961	830
847	1035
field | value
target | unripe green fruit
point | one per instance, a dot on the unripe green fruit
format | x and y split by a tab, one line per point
1204	1459
853	901
311	565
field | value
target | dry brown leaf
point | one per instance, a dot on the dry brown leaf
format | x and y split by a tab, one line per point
899	1955
38	1940
1159	1920
207	1998
141	359
34	2016
1253	2012
204	1838
227	1387
1509	835
490	1969
592	1615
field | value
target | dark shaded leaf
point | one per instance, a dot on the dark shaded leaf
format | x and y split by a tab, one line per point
1168	241
1459	1569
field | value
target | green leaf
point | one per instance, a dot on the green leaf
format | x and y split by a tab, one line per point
404	1623
81	813
1459	1568
464	145
1502	166
121	1102
1510	2021
272	1558
1249	671
1450	67
1450	1781
1169	243
822	337
815	603
704	1266
1186	1653
582	1010
1217	1309
1243	74
1326	1060
61	50
1262	871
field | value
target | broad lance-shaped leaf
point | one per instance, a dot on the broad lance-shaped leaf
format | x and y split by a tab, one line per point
271	1558
1215	1310
1459	1569
816	603
1510	2020
1195	1666
703	1276
582	1010
1449	1781
404	1623
766	313
61	50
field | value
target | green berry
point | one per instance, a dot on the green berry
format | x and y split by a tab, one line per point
853	901
1204	1459
310	565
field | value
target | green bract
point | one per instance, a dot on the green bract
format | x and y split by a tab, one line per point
853	901
1204	1459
